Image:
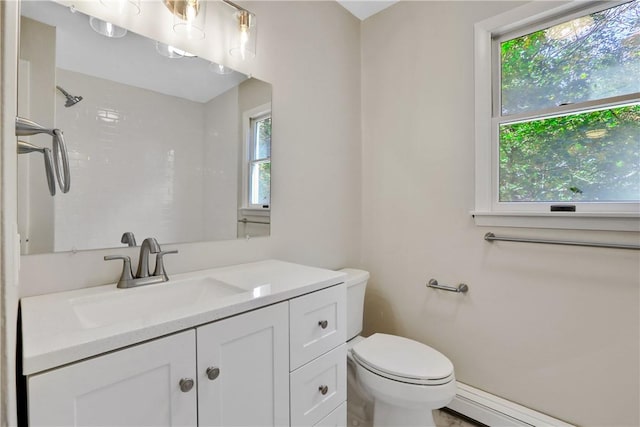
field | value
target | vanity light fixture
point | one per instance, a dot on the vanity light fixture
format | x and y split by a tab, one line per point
189	20
188	17
106	29
172	52
123	7
244	44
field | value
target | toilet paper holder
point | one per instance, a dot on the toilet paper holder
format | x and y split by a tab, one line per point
461	288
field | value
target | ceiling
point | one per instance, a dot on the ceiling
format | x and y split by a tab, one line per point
363	9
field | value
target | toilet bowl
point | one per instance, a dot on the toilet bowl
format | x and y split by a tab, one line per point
403	380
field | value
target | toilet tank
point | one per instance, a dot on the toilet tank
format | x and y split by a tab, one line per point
356	282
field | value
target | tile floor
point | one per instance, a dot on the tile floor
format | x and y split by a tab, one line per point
357	417
446	418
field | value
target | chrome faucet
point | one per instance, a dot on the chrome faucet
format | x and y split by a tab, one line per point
149	246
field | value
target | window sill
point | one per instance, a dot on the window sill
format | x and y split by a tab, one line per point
560	220
254	212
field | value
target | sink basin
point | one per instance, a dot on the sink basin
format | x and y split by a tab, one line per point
121	305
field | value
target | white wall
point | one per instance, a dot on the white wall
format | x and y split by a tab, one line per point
136	158
553	328
310	52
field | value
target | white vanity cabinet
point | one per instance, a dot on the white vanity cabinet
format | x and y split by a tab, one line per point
137	386
271	356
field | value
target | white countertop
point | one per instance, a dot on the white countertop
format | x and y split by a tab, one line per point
54	334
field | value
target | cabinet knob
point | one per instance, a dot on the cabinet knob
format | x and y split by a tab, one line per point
323	389
186	384
212	373
323	324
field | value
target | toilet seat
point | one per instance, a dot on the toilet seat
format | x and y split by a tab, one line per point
401	359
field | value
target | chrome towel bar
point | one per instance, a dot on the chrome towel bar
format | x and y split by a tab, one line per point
461	288
490	237
246	221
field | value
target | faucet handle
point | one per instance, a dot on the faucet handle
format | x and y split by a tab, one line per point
127	274
128	238
159	270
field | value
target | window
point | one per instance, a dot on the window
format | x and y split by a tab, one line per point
258	158
560	122
260	162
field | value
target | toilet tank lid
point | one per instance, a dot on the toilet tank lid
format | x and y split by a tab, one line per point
354	276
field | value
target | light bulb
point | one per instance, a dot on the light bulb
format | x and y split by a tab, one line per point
109	29
244	38
244	42
191	12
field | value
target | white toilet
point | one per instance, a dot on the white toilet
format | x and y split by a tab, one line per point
404	380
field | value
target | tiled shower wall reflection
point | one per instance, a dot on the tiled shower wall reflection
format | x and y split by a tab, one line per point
132	150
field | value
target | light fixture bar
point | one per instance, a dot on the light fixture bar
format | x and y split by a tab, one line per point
235	6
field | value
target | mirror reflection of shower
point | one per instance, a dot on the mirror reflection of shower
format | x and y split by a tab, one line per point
71	100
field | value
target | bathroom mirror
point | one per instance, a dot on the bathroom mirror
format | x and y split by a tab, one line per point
159	142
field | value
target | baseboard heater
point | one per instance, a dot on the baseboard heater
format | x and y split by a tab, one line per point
497	412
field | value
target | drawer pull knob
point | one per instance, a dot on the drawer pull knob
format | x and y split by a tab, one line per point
323	389
213	373
323	324
186	384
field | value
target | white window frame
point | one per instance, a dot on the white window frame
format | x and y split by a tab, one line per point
247	118
488	211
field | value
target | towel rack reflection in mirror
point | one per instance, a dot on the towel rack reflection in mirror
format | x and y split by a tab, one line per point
26	127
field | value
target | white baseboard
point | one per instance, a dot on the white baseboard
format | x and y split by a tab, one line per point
497	412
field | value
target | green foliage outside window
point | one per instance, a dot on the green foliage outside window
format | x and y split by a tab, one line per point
583	156
264	187
592	57
592	156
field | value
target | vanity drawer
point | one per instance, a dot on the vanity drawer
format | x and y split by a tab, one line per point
318	324
337	418
326	374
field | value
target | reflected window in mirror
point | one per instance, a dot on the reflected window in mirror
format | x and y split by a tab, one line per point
258	158
260	182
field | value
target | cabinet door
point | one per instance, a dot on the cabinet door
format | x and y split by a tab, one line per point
247	359
137	386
